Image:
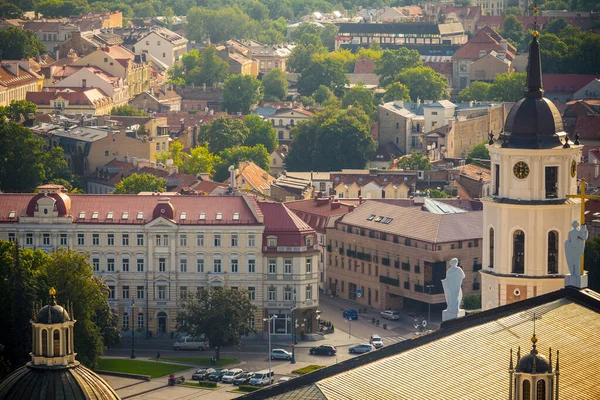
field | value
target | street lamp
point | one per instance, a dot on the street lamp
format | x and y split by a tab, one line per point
294	342
268	320
131	305
429	303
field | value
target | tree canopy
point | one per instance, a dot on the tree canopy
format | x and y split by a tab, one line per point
479	151
424	83
223	133
416	161
136	183
329	72
396	91
18	44
261	131
10	11
18	108
361	97
241	92
232	156
508	87
199	68
393	62
323	94
128	111
331	140
275	84
61	8
476	91
513	30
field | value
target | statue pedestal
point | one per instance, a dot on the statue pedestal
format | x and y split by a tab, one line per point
578	281
448	315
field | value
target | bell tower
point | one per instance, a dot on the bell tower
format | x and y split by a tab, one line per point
528	216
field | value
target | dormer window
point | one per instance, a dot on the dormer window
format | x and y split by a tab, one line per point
110	215
309	241
202	216
12	214
125	215
183	216
272	242
236	216
95	215
82	215
140	215
219	216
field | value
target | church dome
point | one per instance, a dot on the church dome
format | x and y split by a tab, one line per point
534	122
73	382
534	363
52	313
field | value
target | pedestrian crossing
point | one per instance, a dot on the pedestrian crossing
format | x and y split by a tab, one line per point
387	340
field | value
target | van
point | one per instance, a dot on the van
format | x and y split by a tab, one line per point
191	343
262	378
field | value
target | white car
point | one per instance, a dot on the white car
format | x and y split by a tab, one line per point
361	348
376	341
231	375
280	354
391	315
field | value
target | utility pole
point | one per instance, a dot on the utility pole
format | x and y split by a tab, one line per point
429	304
131	305
294	342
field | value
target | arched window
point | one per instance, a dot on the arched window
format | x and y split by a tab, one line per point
526	390
56	343
491	247
518	262
67	344
45	343
291	122
541	390
280	122
552	252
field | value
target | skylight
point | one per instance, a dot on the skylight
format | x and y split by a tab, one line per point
202	216
387	220
140	215
370	217
378	219
125	215
95	215
110	215
12	214
219	216
82	215
236	216
183	216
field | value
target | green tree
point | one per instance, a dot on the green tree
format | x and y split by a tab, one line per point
136	183
18	108
330	73
144	10
331	140
476	91
18	44
200	160
306	31
556	25
513	30
508	87
241	92
393	62
471	302
261	131
437	194
55	165
233	156
514	11
396	91
22	169
175	153
275	84
61	8
555	53
10	11
416	161
223	133
302	55
322	94
202	314
127	110
169	15
479	151
424	83
213	69
362	97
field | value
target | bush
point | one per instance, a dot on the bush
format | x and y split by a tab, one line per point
307	369
207	384
472	302
248	388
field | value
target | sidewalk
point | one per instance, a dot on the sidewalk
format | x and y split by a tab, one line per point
338	338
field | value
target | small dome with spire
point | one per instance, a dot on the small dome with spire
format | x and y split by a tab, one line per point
52	313
534	363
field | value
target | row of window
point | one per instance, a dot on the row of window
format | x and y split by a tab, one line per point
161	292
518	251
140	321
288	293
398	240
217	266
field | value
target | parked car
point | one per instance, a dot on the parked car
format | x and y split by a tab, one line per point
262	378
391	315
230	375
202	374
350	314
323	350
243	378
217	374
361	348
376	341
191	343
280	354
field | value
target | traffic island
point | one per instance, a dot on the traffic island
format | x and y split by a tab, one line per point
138	367
307	370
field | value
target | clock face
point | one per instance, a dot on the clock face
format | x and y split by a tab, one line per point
521	170
573	168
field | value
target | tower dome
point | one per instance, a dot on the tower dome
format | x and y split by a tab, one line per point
534	122
53	372
534	363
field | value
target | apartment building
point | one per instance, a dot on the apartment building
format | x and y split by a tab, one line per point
386	256
373	183
17	79
162	44
284	119
155	249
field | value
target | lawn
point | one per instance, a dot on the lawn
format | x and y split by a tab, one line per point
204	362
203	385
152	368
307	369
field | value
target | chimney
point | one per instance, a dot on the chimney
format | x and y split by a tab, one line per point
232	177
360	200
504	44
12	66
335	205
399	103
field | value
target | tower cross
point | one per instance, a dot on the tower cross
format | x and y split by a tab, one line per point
582	197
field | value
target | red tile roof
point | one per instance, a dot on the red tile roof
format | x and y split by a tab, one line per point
566	83
258	179
364	67
318	212
485	40
10	80
280	221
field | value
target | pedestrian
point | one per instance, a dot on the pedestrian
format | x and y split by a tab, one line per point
158	356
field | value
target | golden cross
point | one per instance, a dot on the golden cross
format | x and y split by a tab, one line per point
582	196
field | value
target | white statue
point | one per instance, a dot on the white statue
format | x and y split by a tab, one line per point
453	291
574	246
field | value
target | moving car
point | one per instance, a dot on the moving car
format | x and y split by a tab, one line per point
350	314
361	348
280	354
262	378
202	374
391	315
230	375
376	341
191	343
217	374
323	350
243	378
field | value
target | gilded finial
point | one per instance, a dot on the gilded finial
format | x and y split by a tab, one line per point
52	291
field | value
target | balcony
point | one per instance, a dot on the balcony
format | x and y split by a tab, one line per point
329	248
477	266
389	281
397	264
341	251
351	253
293	249
363	256
405	266
385	261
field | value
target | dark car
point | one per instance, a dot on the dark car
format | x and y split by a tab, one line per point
350	314
217	375
323	350
202	374
243	379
